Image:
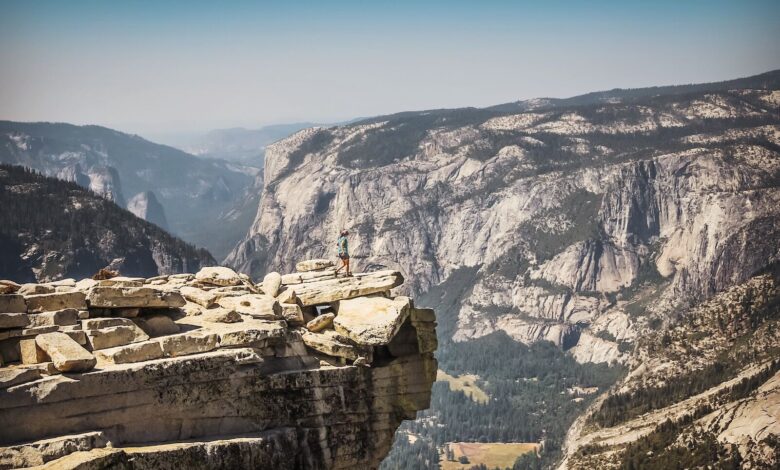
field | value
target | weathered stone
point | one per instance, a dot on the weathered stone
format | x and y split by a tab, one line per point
86	284
258	306
12	303
323	292
78	336
157	325
17	375
257	334
122	281
292	314
313	265
14	320
37	330
287	296
8	287
33	289
327	343
66	354
62	289
218	276
321	322
133	297
311	276
422	315
83	314
221	315
68	282
371	321
199	296
188	343
40	452
64	317
134	352
98	323
271	283
114	336
55	301
31	353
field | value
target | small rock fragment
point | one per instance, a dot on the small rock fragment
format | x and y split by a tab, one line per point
321	322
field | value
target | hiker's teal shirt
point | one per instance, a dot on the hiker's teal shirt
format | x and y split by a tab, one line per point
343	247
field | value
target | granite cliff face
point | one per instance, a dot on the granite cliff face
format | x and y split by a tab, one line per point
585	221
210	370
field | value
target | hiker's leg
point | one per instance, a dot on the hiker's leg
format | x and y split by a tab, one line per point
342	265
346	262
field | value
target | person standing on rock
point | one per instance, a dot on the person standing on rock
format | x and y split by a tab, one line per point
343	247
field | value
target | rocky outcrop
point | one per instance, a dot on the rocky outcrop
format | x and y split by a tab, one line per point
236	383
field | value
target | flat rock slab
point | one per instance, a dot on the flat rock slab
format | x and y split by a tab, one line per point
121	281
199	296
222	315
66	354
323	292
17	375
12	303
32	289
14	320
56	301
98	323
329	344
43	451
313	265
135	352
133	297
258	333
64	317
218	276
114	336
371	321
258	306
188	343
311	276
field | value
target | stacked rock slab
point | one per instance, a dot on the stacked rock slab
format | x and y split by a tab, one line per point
211	371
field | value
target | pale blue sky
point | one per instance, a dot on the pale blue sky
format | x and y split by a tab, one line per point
163	66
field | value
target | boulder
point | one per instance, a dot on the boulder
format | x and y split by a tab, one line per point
371	321
55	301
77	335
157	325
287	296
66	354
313	265
199	296
114	336
323	292
31	353
98	323
221	315
14	320
259	334
329	343
188	343
8	287
34	289
218	276
133	297
321	322
271	283
134	352
292	314
258	306
311	276
64	317
12	303
122	281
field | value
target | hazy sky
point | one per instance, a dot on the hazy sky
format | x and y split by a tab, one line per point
162	66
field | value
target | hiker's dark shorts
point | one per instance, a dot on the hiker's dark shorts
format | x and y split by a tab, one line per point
344	256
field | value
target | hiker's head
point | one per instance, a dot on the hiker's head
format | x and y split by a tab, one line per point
344	232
